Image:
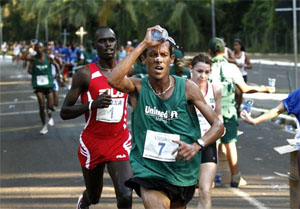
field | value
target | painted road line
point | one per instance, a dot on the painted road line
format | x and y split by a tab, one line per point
65	125
19	102
17	92
14	82
20	113
57	125
257	204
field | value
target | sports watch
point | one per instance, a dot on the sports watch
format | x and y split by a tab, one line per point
201	143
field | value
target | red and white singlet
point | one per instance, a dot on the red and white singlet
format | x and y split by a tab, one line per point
105	136
209	97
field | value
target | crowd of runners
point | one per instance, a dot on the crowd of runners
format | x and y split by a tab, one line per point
183	111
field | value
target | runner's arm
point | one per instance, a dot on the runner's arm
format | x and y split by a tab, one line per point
195	96
264	117
218	99
247	62
118	79
29	70
80	84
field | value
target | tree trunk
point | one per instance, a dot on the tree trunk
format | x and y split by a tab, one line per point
38	26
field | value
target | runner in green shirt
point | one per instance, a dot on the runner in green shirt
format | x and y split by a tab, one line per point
226	75
178	70
42	82
165	149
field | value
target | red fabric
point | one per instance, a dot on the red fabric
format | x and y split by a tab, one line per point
102	141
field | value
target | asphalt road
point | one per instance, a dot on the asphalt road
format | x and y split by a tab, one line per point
42	171
285	75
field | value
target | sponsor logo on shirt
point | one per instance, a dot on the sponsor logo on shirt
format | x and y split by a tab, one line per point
164	116
121	156
42	67
112	92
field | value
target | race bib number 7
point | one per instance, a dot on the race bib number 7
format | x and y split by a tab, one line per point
159	146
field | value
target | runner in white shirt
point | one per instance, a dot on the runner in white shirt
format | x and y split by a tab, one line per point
243	62
200	73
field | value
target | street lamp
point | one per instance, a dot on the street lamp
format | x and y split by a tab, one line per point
294	9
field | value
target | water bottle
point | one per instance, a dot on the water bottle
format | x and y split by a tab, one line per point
158	36
248	105
218	180
289	127
11	106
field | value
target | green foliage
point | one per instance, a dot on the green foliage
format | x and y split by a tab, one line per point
188	21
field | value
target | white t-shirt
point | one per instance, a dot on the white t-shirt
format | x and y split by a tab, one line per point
229	71
242	61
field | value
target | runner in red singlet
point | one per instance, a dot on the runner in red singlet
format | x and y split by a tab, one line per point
105	139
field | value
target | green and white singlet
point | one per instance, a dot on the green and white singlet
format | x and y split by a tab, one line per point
155	123
42	73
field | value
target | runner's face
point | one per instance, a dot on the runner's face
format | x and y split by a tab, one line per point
158	60
39	49
106	44
200	72
236	46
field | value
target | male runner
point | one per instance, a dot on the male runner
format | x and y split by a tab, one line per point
105	139
42	82
165	154
225	75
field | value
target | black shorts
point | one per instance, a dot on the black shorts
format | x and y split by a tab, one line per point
45	91
209	154
175	193
245	78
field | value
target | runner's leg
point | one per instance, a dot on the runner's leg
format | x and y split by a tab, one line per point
232	157
120	171
41	101
206	177
94	184
155	199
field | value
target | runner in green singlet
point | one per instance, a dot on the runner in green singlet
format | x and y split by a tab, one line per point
42	82
88	55
165	154
178	70
225	75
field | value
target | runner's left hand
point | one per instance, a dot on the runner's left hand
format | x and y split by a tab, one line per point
185	151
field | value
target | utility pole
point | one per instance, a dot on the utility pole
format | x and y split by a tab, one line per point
213	21
65	34
46	29
1	26
294	9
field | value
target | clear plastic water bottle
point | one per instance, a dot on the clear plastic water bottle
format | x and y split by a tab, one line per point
248	105
218	180
12	106
289	127
158	36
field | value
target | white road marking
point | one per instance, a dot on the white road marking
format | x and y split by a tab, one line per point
248	198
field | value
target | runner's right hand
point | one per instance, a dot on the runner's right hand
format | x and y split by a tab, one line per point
148	38
103	101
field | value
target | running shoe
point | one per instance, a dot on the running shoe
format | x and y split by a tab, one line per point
51	122
44	130
79	202
238	181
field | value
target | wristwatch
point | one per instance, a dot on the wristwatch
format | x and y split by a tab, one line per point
201	143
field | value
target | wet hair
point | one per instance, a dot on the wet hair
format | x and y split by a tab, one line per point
171	47
201	58
239	41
